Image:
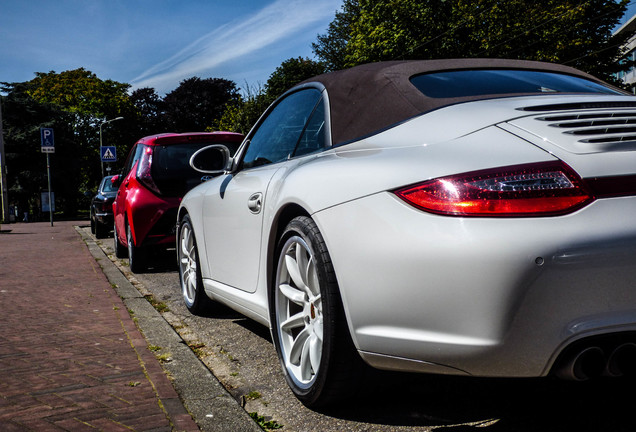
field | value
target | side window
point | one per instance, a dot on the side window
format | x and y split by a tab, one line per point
277	136
313	138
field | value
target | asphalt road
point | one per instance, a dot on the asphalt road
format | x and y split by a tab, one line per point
239	352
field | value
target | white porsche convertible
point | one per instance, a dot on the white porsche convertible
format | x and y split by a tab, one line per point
468	217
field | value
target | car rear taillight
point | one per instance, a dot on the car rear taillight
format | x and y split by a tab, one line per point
143	170
541	189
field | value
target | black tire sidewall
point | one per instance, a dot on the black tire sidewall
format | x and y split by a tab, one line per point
136	255
305	228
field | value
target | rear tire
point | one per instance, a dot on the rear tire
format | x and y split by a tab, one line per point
194	296
136	255
120	250
309	327
101	230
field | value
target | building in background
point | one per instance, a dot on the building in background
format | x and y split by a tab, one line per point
629	27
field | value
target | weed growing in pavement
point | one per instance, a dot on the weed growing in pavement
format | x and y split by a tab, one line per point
265	424
164	358
227	354
154	348
160	306
253	395
197	348
133	383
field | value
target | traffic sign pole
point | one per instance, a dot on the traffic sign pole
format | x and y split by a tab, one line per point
48	147
48	174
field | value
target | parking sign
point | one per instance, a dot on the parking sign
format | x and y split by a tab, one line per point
47	140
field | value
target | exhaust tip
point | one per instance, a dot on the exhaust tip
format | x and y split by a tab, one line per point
622	361
583	365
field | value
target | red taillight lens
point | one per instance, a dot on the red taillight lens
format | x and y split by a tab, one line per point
542	189
144	170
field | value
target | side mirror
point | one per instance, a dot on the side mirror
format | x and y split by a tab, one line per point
116	180
213	159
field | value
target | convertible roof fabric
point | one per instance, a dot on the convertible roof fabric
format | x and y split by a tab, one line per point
369	98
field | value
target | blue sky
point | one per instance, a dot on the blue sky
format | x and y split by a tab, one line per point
158	43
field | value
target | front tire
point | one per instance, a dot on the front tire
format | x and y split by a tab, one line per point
190	277
309	326
136	255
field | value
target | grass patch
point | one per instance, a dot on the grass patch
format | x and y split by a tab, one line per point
253	395
164	358
266	425
158	305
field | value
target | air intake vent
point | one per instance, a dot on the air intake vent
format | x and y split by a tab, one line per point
602	127
578	106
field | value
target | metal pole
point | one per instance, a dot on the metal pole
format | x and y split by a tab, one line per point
3	177
48	174
100	147
100	139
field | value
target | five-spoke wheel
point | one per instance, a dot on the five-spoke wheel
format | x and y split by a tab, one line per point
309	328
189	272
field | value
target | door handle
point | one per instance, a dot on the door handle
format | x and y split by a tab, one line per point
255	202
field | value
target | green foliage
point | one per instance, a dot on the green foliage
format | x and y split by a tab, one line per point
572	32
75	103
241	115
197	103
291	72
331	46
266	425
80	91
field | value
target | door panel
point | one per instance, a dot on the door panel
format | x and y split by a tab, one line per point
233	228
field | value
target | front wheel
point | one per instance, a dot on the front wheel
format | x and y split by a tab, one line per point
309	326
189	270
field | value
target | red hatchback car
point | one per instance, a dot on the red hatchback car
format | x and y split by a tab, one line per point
157	174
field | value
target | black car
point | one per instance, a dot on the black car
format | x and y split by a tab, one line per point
102	208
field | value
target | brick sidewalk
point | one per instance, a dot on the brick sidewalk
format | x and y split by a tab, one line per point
71	358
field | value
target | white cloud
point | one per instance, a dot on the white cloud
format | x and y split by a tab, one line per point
276	22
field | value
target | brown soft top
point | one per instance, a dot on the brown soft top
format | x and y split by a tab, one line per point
369	98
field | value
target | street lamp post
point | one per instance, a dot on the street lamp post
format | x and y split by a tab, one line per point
100	139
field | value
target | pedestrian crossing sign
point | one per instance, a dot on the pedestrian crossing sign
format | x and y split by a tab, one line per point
109	153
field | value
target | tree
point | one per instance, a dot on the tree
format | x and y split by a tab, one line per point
291	72
331	46
26	165
74	103
197	103
241	115
572	32
150	110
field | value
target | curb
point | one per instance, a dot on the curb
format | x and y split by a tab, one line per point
207	401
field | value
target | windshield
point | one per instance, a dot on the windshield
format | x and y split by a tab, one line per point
107	185
465	83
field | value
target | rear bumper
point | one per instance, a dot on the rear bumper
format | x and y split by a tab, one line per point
479	296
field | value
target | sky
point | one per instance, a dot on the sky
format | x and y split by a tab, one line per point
159	43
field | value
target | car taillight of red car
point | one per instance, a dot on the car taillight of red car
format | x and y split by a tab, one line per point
144	170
